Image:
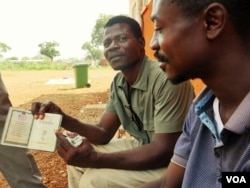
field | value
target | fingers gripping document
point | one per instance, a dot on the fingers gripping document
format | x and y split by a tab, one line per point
22	130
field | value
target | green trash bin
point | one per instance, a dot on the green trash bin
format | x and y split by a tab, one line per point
81	75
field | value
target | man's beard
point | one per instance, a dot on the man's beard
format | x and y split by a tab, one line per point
178	79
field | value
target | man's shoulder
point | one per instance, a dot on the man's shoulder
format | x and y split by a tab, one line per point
154	69
153	64
118	76
118	79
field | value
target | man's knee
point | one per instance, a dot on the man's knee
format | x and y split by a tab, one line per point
74	176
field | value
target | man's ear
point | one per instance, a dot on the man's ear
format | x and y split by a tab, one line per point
142	42
214	19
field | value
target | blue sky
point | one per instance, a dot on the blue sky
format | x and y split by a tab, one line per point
26	23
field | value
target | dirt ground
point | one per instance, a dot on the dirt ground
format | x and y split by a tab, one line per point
27	86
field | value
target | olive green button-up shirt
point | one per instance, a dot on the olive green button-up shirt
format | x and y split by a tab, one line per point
154	104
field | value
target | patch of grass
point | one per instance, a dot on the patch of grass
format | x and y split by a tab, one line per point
34	66
24	65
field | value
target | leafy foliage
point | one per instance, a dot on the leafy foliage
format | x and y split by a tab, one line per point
23	65
3	48
93	53
97	32
93	48
48	49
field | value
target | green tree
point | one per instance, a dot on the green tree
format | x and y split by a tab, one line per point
4	48
92	52
93	48
97	32
49	50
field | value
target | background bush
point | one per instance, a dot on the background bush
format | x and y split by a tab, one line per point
34	66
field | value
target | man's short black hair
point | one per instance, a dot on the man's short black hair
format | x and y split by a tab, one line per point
238	10
133	24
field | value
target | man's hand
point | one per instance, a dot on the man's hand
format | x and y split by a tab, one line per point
39	109
82	156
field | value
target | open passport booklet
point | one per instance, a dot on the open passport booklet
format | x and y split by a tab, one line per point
22	130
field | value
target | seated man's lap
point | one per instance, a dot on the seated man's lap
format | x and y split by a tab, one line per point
91	177
108	178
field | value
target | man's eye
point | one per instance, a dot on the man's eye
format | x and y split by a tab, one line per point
106	44
158	30
123	39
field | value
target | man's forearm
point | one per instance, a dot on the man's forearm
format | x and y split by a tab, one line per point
139	158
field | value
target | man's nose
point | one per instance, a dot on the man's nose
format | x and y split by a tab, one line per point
154	42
